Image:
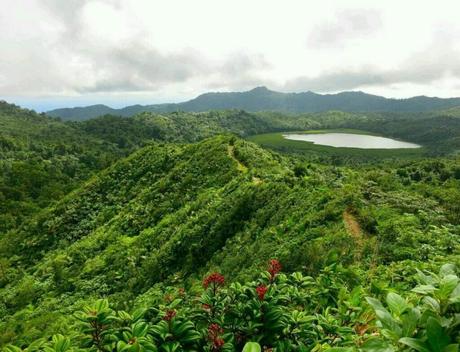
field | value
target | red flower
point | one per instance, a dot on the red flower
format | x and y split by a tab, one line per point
215	278
274	267
215	329
171	313
218	343
214	332
206	306
261	291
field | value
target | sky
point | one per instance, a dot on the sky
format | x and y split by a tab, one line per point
64	53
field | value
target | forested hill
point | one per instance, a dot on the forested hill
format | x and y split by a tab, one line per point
263	99
169	213
43	158
139	210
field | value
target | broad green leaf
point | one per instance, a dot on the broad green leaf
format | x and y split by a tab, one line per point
447	269
375	303
437	338
455	295
447	286
396	303
252	347
424	289
376	345
388	322
416	344
409	322
432	303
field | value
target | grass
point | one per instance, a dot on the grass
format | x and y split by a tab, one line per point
277	142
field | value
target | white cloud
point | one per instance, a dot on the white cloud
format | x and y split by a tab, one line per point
165	49
347	25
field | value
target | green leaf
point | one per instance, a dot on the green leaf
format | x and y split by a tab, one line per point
437	338
447	269
424	289
376	345
451	348
375	303
396	303
416	344
252	347
432	303
455	295
409	321
447	286
388	322
140	329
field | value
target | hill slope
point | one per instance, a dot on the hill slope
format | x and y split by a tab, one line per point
42	159
263	99
169	213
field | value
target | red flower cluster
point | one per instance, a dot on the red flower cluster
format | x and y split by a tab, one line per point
171	313
214	332
261	290
215	278
274	267
168	298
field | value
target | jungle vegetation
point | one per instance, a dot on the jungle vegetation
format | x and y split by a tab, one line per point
176	232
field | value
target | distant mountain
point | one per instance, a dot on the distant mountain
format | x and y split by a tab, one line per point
263	99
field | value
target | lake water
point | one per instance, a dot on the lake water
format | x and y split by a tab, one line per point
350	140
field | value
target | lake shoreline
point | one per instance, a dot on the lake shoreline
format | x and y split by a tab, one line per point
349	140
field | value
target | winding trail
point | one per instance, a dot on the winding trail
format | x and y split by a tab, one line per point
231	154
354	229
240	166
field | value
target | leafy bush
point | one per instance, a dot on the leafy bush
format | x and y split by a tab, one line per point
276	312
427	321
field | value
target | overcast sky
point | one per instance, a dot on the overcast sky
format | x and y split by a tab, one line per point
77	52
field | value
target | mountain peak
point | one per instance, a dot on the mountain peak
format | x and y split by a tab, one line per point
260	89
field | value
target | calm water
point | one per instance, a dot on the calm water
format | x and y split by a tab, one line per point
349	140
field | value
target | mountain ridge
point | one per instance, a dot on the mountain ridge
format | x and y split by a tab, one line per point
263	99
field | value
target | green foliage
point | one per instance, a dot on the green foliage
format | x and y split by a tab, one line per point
426	322
276	312
251	347
81	222
169	213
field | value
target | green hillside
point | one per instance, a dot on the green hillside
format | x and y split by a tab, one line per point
41	160
172	232
170	213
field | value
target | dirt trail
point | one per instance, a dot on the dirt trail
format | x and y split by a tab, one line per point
354	229
240	166
231	154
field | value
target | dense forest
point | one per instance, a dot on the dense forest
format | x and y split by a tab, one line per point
176	232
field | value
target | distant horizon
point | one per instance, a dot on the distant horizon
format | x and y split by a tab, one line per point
118	53
44	104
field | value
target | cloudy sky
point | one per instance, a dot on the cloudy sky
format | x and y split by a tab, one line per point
58	53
